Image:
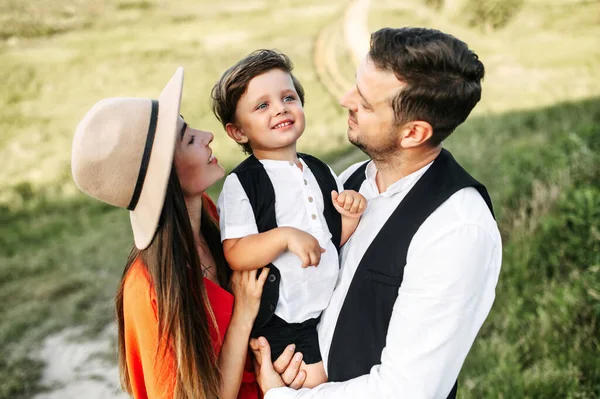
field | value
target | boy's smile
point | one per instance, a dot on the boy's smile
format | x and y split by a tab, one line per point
269	116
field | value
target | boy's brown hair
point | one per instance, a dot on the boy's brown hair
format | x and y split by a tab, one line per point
233	84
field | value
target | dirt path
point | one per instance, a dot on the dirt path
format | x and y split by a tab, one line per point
77	367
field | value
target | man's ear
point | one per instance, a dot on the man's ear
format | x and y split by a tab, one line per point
236	133
415	133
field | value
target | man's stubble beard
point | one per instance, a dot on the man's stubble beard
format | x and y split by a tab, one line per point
381	152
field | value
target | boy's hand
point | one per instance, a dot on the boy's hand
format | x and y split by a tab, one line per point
349	203
305	246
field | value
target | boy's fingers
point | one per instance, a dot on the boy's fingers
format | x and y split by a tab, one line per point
348	202
363	205
305	258
355	206
334	195
341	198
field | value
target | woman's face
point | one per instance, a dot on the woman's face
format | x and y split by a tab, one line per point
197	168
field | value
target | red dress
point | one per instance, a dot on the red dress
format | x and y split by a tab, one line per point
153	376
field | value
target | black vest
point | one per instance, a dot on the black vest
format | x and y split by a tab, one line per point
361	329
261	195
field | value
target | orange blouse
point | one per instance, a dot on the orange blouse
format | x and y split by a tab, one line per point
153	376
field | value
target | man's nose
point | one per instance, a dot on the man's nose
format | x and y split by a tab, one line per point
346	100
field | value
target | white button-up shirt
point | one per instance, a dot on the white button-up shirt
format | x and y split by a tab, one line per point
303	293
448	288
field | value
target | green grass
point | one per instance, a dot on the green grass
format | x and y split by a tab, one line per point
533	141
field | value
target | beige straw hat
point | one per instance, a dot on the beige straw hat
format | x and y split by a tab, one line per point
123	151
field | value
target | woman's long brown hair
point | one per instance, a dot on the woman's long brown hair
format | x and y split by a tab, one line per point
183	326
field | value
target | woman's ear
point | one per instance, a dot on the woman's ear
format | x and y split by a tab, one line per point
236	133
415	133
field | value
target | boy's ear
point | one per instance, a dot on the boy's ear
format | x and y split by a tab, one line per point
236	133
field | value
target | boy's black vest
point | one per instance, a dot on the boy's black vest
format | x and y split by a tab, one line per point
261	195
361	329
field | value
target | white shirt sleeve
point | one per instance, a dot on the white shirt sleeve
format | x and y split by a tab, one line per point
236	217
446	294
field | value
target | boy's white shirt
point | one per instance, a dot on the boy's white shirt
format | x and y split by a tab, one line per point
303	293
452	269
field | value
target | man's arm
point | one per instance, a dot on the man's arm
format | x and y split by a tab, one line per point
447	292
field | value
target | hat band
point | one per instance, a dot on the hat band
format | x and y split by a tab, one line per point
145	157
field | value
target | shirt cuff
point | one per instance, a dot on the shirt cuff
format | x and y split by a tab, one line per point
229	232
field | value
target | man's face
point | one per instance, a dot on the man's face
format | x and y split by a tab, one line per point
371	124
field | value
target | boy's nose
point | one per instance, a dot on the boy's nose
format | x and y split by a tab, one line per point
281	109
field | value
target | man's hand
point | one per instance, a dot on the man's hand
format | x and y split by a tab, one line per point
305	246
285	370
349	203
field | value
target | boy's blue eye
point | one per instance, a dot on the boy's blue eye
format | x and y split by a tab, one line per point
289	98
262	106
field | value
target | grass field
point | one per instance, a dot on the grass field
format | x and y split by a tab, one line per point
534	141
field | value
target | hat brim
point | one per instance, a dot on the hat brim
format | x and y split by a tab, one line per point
145	217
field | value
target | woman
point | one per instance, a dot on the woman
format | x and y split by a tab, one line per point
180	333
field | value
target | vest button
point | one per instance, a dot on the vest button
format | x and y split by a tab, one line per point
272	278
272	307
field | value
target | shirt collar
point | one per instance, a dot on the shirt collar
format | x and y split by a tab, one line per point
275	164
404	184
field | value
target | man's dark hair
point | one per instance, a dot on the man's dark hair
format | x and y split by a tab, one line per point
442	76
233	84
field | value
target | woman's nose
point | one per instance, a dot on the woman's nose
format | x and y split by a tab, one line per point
208	137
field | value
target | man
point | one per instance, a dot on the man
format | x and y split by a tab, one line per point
418	276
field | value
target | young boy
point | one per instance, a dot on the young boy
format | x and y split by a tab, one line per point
279	208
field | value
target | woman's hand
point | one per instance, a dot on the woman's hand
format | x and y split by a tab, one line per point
247	290
284	372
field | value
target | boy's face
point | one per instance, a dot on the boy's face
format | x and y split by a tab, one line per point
269	115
